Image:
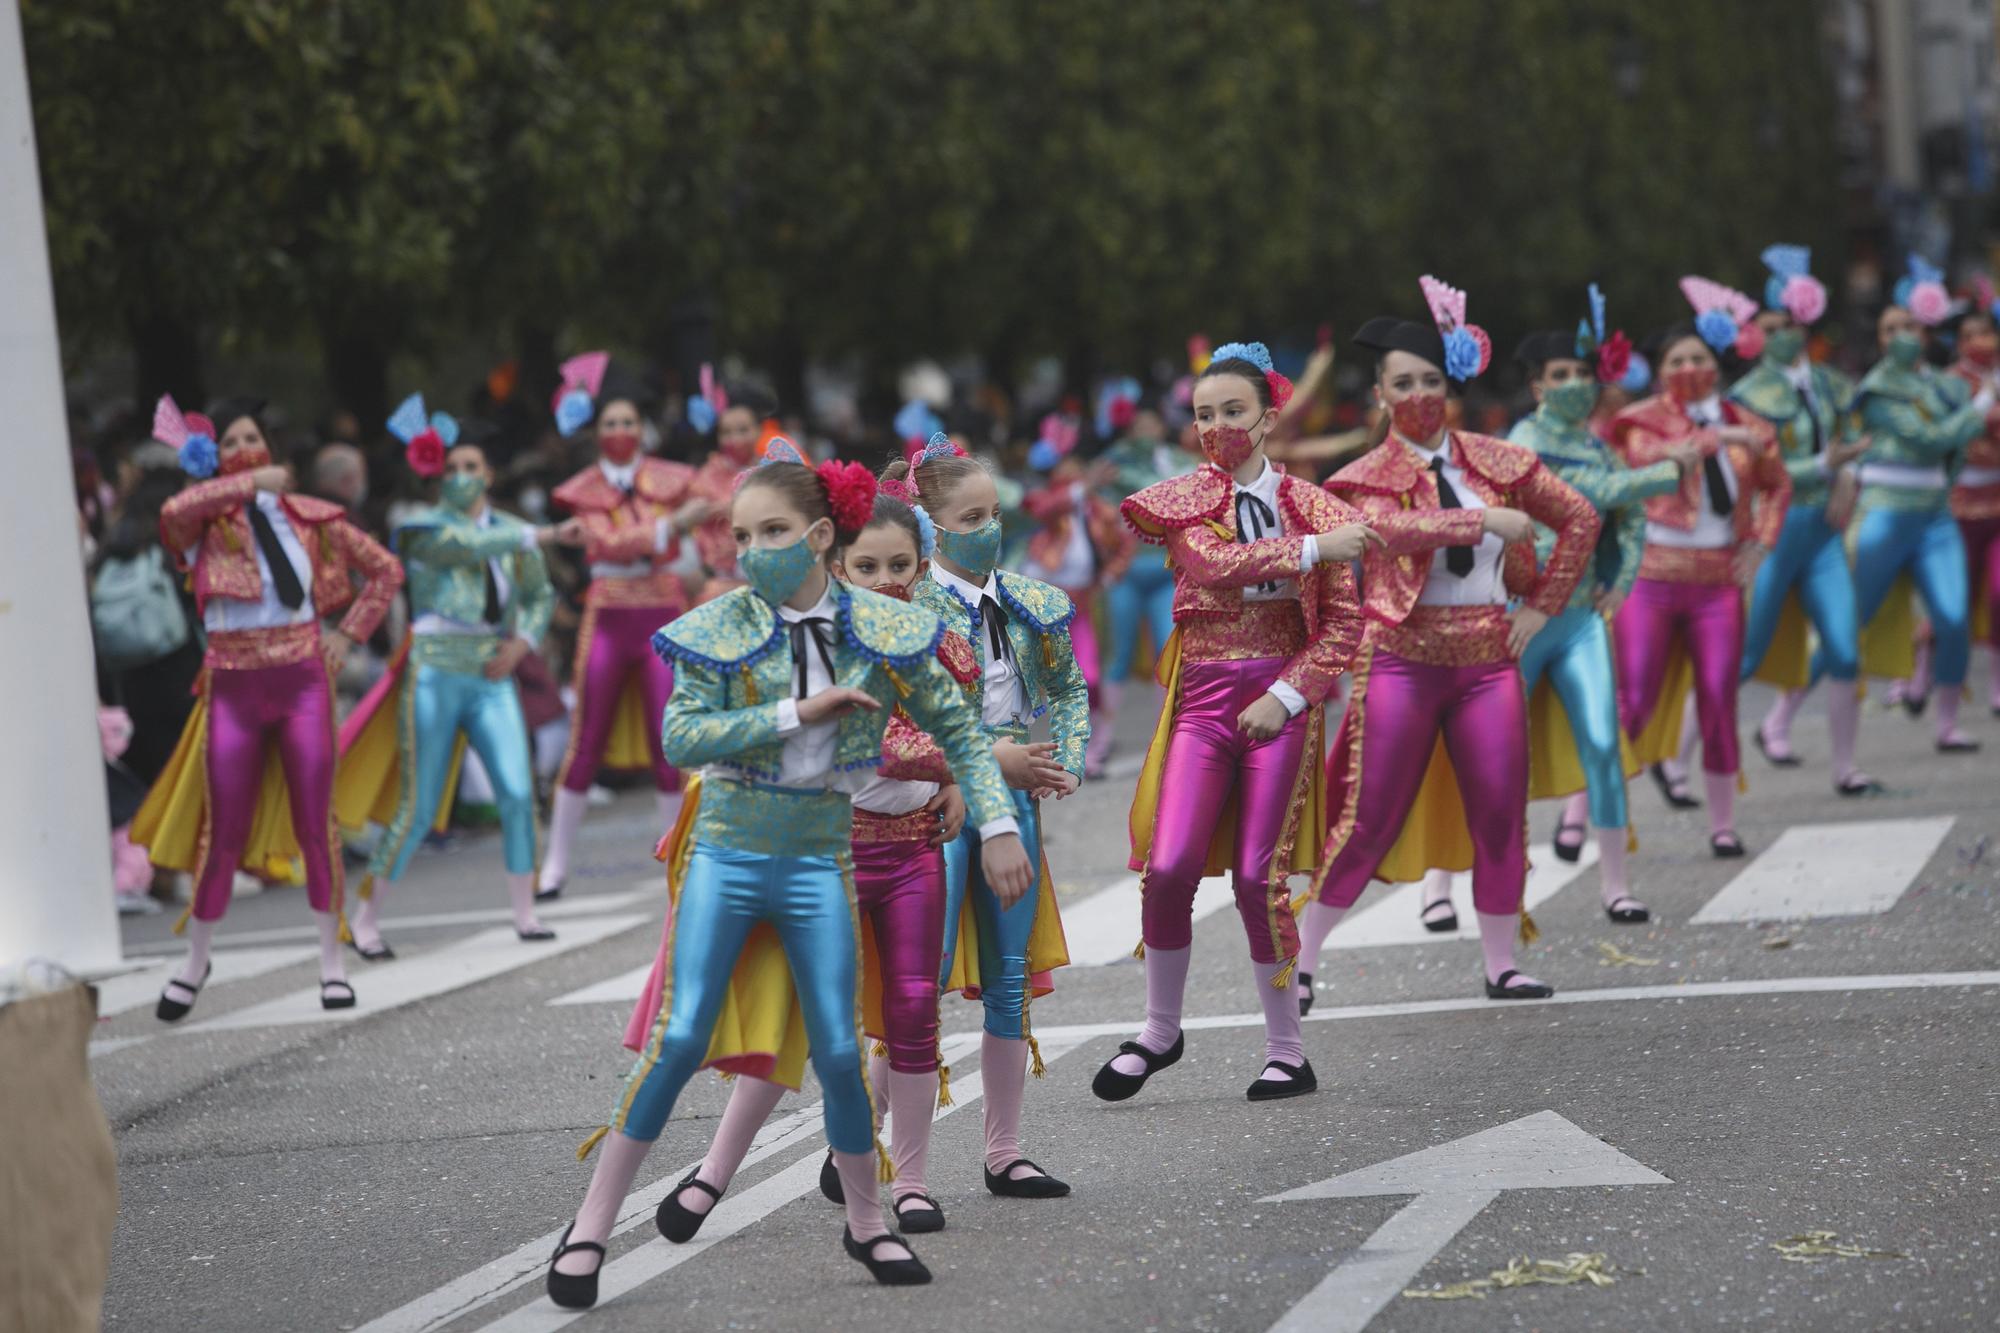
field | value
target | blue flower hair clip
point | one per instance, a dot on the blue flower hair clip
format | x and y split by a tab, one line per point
916	421
926	531
701	414
199	457
573	412
1256	354
409	421
1716	328
1638	376
781	450
191	435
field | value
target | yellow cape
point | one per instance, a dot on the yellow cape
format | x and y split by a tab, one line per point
1787	663
627	750
368	783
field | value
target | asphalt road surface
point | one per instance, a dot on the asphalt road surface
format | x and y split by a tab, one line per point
1800	1042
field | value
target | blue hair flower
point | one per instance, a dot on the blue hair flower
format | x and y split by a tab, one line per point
1043	455
573	411
917	421
1774	291
1716	328
446	425
1256	354
701	414
1638	375
926	531
1461	355
199	456
408	420
1585	343
1787	261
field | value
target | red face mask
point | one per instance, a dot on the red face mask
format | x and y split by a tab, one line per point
895	590
619	448
246	460
1227	446
1419	417
1693	384
1985	354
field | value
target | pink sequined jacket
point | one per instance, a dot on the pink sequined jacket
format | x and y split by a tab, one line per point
621	529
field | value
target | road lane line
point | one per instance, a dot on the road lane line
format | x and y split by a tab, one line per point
625	988
1856	868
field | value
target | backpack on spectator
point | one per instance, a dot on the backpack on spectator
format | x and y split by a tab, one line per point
135	610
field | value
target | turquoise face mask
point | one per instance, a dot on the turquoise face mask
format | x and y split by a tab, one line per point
1906	349
975	552
1570	402
775	572
1783	347
461	490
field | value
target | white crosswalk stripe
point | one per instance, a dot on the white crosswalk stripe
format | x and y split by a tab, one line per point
1818	870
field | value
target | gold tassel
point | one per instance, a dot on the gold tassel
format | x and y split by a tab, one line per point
596	1137
885	1170
750	695
346	935
1139	949
1035	1065
181	924
881	1048
1219	528
1284	976
1049	651
725	1075
944	1085
1530	932
367	889
1631	839
1742	783
902	686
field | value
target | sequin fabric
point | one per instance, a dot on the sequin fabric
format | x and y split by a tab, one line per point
622	529
916	826
251	649
773	821
1641	434
1449	636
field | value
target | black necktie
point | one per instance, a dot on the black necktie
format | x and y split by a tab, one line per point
492	595
1457	559
995	617
283	577
1719	498
821	630
1253	519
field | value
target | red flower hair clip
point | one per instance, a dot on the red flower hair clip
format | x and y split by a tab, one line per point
850	493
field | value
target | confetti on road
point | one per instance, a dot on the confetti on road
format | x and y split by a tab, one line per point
1617	957
1567	1271
1813	1246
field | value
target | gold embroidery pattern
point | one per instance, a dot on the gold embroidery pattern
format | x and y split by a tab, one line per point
916	826
253	649
1712	566
1449	636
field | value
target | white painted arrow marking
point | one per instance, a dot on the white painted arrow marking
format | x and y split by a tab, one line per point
1452	1182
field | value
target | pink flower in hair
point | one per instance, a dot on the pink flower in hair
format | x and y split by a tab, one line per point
850	493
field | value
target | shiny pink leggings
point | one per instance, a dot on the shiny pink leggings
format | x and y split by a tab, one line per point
1982	559
1483	717
1708	620
247	710
1083	639
1208	758
899	889
620	643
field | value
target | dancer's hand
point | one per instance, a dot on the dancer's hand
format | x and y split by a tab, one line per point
949	806
1264	718
835	703
1608	601
1510	525
1004	862
1347	542
1840	500
1066	787
1028	767
273	477
569	532
333	649
501	665
1749	558
1842	452
693	514
1525	623
1739	435
1684	455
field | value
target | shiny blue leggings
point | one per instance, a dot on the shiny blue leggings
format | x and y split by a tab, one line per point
726	893
1145	595
1811	559
441	704
1928	547
1003	932
1574	652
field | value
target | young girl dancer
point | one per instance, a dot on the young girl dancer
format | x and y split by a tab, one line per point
784	692
1145	595
1440	657
1975	492
998	943
1265	619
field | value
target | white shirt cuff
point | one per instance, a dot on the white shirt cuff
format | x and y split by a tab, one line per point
1294	702
663	535
1308	554
530	538
1983	400
788	716
999	828
525	638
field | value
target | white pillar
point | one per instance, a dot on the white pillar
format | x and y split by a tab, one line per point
55	851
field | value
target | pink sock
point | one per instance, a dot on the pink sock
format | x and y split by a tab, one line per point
1437	887
750	1104
332	963
864	1200
618	1161
1777	726
912	1104
1003	1064
878	1086
1690	734
1282	1040
521	898
1166	984
566	809
1947	706
1920	679
1320	919
367	923
1496	941
1612	882
1843	712
1721	801
1576	810
201	937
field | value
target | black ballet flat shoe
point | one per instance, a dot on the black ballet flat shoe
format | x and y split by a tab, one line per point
1527	990
331	995
1305	979
1857	784
1114	1085
543	895
1626	910
1044	1186
679	1224
1571	852
381	953
1958	745
919	1213
1439	923
829	1181
171	1010
536	935
1915	704
1775	759
1677	797
908	1272
574	1291
1726	846
1301	1082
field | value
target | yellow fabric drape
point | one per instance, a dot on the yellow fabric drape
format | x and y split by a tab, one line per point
368	784
628	749
1888	642
173	820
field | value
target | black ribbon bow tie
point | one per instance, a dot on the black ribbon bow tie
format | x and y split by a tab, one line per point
1457	559
1719	498
492	594
283	576
821	631
1254	519
995	617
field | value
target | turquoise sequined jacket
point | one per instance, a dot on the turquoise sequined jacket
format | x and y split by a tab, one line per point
445	553
1915	418
732	661
1616	491
1038	617
1766	391
1138	464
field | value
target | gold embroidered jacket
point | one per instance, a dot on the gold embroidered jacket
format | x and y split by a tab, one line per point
1641	434
620	529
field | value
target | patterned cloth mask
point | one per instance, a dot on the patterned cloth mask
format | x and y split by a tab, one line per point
1691	384
1783	347
1418	418
619	448
975	552
1228	447
1571	401
1906	349
775	572
462	490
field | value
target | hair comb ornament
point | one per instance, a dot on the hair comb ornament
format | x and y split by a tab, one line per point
1720	313
1117	404
426	439
1467	349
1791	287
706	407
781	450
1610	352
576	396
1259	356
1921	292
191	435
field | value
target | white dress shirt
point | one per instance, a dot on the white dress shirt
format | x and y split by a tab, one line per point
433	622
1486	585
1711	530
1003	695
1078	567
1265	489
228	613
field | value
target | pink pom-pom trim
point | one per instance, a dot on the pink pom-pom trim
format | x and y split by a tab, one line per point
1805	298
850	493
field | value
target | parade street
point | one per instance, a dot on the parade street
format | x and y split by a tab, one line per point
1798	1043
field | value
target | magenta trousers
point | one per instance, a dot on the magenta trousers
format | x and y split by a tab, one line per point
1707	618
1483	716
899	888
1207	760
618	642
1083	639
1982	559
247	710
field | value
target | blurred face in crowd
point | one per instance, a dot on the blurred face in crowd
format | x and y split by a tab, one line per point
466	477
341	475
882	554
1147	426
1687	354
618	431
1979	341
1896	322
737	432
1561	370
243	446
